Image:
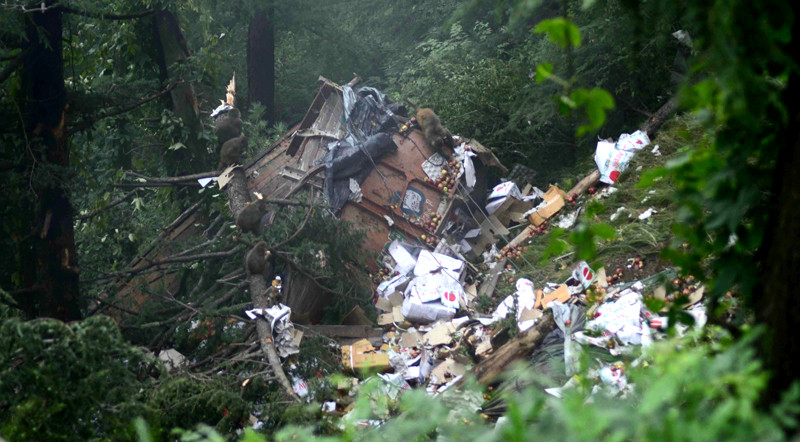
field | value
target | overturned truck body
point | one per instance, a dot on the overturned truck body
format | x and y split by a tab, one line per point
358	154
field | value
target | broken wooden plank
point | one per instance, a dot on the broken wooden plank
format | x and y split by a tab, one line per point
521	347
345	331
488	286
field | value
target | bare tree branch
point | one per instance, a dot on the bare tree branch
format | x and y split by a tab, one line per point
172	260
176	179
68	10
144	185
114	203
11	67
88	122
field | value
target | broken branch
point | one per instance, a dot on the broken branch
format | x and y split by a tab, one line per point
176	179
172	260
143	185
68	10
114	203
89	122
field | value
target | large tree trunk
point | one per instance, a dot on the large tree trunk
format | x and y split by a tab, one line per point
50	262
238	197
775	298
261	61
172	51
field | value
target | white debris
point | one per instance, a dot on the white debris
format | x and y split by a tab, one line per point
355	191
647	214
617	214
656	151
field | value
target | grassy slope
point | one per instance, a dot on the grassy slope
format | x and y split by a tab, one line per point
633	237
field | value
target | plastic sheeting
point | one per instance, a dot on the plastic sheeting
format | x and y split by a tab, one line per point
368	112
349	159
370	121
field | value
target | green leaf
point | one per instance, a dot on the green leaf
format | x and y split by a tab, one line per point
543	72
595	102
177	146
561	31
604	231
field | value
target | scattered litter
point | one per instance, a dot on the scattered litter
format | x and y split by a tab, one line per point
355	191
553	200
607	191
613	158
568	220
656	151
584	274
171	358
617	213
205	181
363	356
283	331
647	214
500	194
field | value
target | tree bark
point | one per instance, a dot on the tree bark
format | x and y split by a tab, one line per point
172	51
49	258
775	296
238	197
261	61
520	347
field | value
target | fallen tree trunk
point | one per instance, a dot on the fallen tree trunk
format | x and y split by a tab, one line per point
520	347
238	197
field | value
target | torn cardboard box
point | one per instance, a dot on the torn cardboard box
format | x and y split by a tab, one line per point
554	200
362	356
442	334
560	294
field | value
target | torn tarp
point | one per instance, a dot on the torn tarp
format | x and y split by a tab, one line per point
370	121
368	112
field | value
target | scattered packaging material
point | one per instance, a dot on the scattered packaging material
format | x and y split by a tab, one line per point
613	158
554	200
362	356
584	274
500	193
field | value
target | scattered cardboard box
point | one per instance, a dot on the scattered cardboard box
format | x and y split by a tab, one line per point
384	304
695	297
448	370
529	314
356	317
483	347
512	209
411	339
601	277
555	199
397	314
440	334
490	230
361	356
226	176
385	319
396	299
560	294
297	335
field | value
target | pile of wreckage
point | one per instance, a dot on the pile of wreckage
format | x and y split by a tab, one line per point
428	284
436	219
